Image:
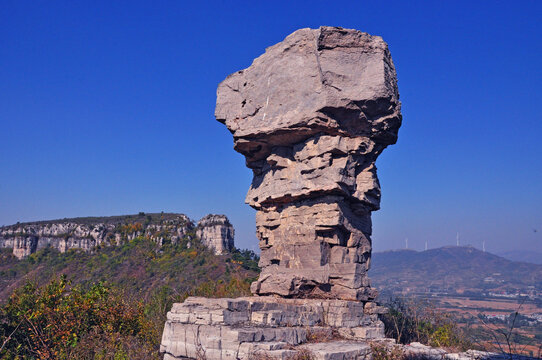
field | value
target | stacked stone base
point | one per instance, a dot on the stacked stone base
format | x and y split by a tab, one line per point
270	327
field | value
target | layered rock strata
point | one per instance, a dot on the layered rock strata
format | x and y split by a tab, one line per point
89	233
311	116
265	327
216	232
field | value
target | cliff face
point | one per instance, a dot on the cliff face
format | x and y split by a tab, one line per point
216	232
88	233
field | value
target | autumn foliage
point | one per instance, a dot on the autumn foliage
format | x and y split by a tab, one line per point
122	318
62	322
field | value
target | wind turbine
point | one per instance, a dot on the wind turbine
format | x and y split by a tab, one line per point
406	243
457	239
425	245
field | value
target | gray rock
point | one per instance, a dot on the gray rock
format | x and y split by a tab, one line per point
216	232
338	350
245	328
311	116
86	234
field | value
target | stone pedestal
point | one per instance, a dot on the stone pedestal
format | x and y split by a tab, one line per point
272	327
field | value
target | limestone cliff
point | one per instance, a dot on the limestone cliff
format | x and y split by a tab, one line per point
216	232
88	233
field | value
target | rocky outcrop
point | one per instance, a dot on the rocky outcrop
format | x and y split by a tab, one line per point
216	232
265	327
89	233
26	239
311	116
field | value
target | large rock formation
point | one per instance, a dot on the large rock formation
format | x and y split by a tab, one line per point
87	233
216	232
311	116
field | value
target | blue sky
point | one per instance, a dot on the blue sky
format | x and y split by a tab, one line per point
107	108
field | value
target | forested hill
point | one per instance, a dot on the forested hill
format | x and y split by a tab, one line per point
140	267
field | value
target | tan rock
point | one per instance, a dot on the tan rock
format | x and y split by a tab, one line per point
216	232
88	233
311	115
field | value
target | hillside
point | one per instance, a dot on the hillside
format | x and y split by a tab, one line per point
110	302
141	267
533	257
453	270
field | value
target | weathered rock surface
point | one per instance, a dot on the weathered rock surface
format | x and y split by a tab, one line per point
88	233
311	116
244	328
216	232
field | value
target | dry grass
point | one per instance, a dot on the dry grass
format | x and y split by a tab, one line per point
300	354
318	335
386	352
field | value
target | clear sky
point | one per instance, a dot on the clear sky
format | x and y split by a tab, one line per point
106	108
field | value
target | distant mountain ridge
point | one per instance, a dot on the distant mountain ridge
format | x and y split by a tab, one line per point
532	257
453	269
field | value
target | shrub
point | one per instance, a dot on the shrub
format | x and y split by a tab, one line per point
247	259
59	322
383	352
418	321
235	287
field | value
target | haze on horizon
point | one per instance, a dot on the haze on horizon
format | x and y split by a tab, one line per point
108	109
